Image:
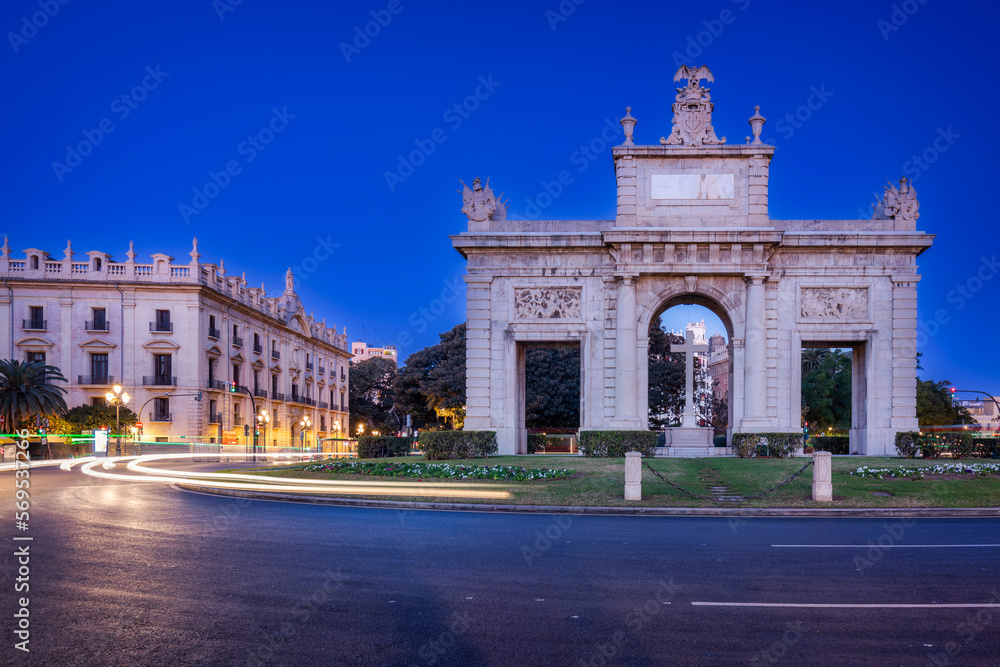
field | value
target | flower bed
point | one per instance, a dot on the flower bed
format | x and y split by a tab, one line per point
977	469
438	471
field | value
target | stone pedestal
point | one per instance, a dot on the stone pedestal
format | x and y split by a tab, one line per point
633	476
689	437
823	477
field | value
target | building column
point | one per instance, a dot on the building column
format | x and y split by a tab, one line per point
755	355
626	370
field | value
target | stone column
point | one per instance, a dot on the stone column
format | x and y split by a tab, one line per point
626	370
755	358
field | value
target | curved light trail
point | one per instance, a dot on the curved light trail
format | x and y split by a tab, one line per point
279	484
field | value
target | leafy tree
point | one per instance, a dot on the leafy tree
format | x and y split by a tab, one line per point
719	412
666	378
431	387
826	388
91	417
373	395
935	406
26	388
552	387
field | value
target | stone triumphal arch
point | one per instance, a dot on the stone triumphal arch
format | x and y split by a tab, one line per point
692	226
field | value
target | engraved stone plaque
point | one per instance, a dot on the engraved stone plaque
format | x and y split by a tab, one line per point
692	186
838	303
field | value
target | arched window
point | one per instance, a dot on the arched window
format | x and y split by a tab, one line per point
34	261
97	264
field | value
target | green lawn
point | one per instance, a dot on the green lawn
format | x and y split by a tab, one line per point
600	482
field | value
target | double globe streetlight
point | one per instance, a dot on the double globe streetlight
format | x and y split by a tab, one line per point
304	424
263	419
118	397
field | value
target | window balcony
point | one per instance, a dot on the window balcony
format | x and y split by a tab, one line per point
322	370
159	381
237	420
275	354
96	325
322	405
34	325
161	327
214	333
155	416
218	384
215	419
309	401
278	396
237	341
96	379
258	349
309	365
275	423
260	393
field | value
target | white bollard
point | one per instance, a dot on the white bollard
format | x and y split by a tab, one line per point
822	477
633	476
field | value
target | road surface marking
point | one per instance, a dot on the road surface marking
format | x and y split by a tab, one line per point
825	605
881	546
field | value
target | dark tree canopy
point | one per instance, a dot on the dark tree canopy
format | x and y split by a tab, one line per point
90	417
935	406
552	387
431	388
826	388
372	396
27	388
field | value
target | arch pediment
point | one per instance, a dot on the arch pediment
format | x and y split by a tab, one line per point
214	350
160	344
238	357
97	344
34	341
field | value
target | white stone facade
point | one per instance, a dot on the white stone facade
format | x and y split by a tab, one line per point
214	326
692	226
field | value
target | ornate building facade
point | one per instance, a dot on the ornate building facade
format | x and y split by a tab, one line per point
168	332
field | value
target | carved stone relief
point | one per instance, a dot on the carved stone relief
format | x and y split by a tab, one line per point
545	303
834	303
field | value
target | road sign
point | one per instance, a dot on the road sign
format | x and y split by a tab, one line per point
246	430
139	425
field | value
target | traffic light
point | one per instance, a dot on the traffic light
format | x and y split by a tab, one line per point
232	387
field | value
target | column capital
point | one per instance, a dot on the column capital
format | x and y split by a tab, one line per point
479	279
755	279
626	278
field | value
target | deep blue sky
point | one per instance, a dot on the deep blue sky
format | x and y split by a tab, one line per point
323	176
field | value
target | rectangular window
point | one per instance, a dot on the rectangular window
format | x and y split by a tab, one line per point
36	317
100	322
236	373
35	356
162	368
163	320
295	391
98	401
211	372
274	386
256	380
99	368
161	410
236	331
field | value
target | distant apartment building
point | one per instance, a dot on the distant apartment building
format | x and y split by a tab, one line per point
984	411
718	366
362	351
166	332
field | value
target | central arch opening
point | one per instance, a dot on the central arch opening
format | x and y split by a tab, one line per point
710	327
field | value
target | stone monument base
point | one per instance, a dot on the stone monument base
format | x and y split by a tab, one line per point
691	443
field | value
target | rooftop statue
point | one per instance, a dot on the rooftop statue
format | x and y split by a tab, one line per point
693	111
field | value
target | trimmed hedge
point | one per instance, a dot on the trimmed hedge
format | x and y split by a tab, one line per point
614	444
383	446
447	445
835	444
536	443
719	441
778	445
961	445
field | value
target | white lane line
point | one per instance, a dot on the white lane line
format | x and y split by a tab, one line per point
881	546
824	605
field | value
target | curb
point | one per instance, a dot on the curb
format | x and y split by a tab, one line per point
889	512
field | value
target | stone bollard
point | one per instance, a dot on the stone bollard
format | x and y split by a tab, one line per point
822	477
633	476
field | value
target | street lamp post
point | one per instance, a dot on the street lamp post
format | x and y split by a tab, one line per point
263	419
117	397
304	424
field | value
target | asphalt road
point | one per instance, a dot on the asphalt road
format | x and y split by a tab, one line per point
139	573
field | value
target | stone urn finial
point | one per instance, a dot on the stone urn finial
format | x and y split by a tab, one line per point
756	125
131	251
628	123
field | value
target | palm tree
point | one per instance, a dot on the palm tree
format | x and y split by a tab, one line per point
26	388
